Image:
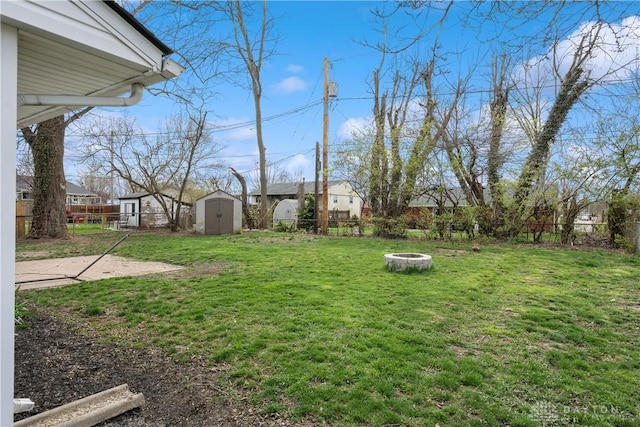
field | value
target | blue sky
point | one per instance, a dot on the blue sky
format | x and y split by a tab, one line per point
292	80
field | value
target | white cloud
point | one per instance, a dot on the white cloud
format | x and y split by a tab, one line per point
294	68
354	127
241	134
614	58
238	129
299	161
290	85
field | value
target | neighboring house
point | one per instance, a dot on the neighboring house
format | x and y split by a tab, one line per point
58	57
142	209
343	200
428	206
76	195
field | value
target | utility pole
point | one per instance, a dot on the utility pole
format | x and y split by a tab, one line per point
316	190
112	173
325	151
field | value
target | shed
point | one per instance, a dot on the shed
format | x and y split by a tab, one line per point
286	212
142	209
218	213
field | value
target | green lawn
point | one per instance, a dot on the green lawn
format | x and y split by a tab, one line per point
317	328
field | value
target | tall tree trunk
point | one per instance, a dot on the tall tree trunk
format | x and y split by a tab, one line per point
571	209
499	105
379	163
570	91
253	63
248	219
264	196
49	183
574	84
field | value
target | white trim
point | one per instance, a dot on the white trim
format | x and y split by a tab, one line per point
88	30
8	117
109	35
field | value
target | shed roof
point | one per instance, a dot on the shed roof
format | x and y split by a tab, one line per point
137	195
141	194
216	192
291	188
24	182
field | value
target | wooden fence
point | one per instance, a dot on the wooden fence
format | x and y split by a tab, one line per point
75	214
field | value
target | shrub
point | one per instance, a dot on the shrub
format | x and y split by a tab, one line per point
390	228
442	224
285	227
306	219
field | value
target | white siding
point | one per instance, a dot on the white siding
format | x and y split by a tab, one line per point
343	198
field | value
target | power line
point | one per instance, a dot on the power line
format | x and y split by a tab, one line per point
300	109
214	128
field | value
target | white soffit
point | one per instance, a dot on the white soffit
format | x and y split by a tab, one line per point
79	48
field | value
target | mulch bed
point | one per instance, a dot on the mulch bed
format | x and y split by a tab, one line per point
55	365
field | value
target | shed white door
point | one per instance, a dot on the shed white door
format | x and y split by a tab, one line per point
218	216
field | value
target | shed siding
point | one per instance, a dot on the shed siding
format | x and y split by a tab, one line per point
201	212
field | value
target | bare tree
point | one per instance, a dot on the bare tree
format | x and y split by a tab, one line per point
578	176
94	179
493	218
46	141
246	212
619	144
160	166
351	161
573	84
252	49
220	42
404	113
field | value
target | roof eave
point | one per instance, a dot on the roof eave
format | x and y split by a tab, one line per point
131	20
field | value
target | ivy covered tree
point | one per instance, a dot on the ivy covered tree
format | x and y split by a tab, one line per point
406	130
46	142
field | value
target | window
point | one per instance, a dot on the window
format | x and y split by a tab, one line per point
335	199
351	200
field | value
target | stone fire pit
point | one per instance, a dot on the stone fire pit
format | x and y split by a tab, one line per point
403	261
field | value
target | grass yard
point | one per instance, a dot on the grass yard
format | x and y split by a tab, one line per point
318	329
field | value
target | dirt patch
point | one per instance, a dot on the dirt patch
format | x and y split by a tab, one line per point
200	269
285	238
55	364
450	252
629	306
32	254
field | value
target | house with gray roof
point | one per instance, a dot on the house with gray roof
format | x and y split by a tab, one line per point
343	200
76	195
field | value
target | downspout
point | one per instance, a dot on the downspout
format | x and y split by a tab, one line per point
137	90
